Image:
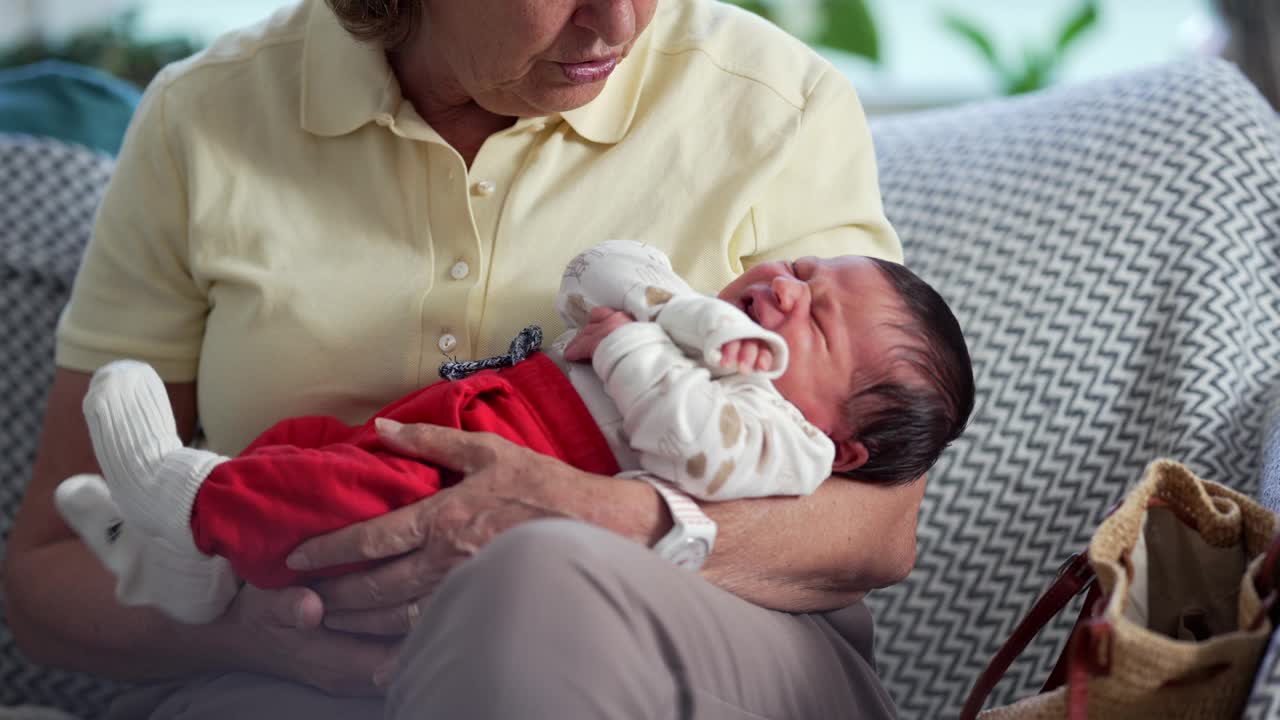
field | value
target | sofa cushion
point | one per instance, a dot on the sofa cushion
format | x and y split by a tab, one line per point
67	102
1111	251
48	193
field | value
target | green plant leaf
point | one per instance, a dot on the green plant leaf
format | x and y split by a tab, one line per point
851	27
117	47
1085	18
966	29
1037	69
756	6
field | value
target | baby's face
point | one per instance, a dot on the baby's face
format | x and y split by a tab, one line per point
836	315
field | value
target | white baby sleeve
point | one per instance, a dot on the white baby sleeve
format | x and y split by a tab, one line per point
702	325
715	439
620	274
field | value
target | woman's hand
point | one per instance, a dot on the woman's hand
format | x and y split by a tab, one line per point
504	485
600	324
279	632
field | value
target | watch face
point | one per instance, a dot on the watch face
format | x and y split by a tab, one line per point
690	554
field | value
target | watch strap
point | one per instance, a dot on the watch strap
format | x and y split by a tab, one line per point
688	522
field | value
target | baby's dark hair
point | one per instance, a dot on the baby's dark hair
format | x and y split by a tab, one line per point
906	420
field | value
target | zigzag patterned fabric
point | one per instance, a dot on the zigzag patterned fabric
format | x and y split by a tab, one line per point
1265	700
1113	253
48	193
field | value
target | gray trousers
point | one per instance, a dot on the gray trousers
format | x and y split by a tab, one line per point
557	619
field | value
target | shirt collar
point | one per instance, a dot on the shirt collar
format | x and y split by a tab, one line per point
347	84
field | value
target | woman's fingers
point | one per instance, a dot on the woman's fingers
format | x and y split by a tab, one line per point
395	533
384	622
267	638
465	452
295	607
390	585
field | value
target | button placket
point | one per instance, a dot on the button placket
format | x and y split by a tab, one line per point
447	324
493	173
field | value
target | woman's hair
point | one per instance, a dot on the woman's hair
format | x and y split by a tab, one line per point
906	422
387	23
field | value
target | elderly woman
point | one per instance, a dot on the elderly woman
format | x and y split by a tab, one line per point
311	214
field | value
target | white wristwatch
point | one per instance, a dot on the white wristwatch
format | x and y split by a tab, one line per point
692	535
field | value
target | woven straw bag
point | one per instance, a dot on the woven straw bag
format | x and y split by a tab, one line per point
1180	606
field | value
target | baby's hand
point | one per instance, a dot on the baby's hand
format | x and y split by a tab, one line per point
746	356
602	321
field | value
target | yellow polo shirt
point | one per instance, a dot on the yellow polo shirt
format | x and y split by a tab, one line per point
285	230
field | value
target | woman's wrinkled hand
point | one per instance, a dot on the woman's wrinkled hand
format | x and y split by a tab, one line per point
279	633
504	486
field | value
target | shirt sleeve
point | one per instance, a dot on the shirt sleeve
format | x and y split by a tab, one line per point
134	295
826	200
715	439
701	325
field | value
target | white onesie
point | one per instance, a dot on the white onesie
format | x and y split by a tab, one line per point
658	392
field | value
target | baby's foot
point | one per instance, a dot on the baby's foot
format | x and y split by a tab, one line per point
184	583
151	476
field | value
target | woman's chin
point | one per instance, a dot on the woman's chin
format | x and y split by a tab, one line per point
563	97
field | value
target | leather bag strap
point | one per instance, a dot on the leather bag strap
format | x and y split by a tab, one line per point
1075	576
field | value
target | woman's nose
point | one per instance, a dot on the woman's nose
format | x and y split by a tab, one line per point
789	292
613	20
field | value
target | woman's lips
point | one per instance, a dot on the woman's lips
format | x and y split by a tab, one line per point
588	72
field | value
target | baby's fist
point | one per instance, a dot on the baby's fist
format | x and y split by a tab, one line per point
746	356
601	322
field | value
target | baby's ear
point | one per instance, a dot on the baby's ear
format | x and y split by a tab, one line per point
850	455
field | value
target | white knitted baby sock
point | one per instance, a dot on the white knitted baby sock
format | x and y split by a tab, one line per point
183	583
152	477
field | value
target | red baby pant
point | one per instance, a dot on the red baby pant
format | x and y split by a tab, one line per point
305	477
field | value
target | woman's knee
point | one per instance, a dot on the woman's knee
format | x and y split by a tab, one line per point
542	575
543	555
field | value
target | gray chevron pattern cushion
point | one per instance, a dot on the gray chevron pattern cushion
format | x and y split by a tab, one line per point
1112	252
1265	700
48	193
1110	249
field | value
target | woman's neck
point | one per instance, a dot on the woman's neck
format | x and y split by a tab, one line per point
464	127
455	116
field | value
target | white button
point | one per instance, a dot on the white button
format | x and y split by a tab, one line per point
448	343
459	270
486	187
